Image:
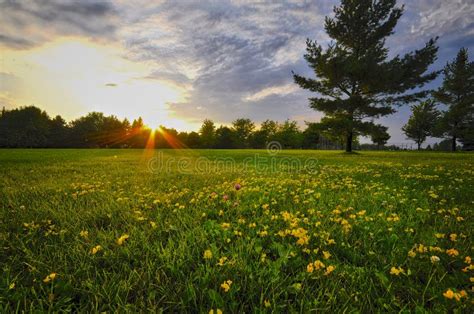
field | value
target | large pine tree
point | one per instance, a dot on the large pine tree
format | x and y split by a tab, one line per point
355	81
457	92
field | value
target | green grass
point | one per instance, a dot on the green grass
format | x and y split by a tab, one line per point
368	211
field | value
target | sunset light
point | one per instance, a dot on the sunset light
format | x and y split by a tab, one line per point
74	76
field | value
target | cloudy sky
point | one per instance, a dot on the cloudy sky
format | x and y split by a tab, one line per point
178	62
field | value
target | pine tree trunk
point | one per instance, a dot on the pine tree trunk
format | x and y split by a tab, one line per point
453	144
349	142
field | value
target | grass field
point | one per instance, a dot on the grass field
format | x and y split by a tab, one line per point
236	230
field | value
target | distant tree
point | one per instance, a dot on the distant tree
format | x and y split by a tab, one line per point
183	138
264	135
288	135
59	133
354	79
225	138
444	145
138	124
138	134
457	93
311	136
270	128
422	122
85	130
467	135
379	135
243	128
25	127
207	134
194	141
113	132
126	137
258	139
167	138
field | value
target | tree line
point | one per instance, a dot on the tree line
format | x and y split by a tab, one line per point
31	127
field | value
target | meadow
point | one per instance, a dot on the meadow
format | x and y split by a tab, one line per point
236	231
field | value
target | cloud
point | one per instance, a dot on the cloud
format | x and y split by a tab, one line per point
443	17
40	21
15	42
274	90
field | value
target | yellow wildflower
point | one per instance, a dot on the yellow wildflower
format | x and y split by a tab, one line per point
122	239
49	278
467	260
96	249
207	254
396	271
329	270
318	265
263	233
310	268
326	254
467	268
422	248
222	261
84	234
303	240
226	285
453	237
218	311
267	303
449	294
452	252
434	259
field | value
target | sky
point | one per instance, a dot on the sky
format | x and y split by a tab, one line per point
176	63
